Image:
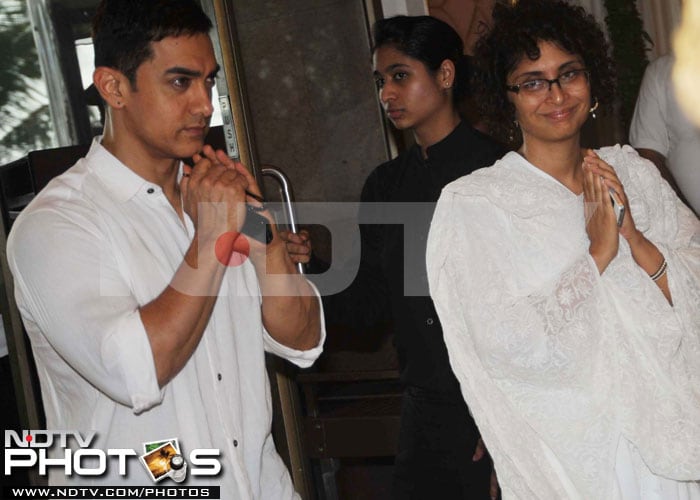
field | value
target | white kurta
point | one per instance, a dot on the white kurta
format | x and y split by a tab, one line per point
557	362
96	244
659	123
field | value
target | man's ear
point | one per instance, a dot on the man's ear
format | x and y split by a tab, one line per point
447	74
112	85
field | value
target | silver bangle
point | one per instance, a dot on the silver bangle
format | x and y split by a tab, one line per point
659	272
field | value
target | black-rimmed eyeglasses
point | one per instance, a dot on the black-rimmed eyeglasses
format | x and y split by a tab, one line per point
568	79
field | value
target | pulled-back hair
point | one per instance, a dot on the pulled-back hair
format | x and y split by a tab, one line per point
515	33
428	40
122	30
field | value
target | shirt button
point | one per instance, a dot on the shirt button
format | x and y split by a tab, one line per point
429	321
218	376
235	443
150	190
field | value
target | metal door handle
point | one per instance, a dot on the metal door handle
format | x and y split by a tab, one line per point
287	199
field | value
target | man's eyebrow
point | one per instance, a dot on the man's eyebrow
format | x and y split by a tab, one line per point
180	70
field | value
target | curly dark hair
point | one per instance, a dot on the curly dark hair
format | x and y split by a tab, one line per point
515	33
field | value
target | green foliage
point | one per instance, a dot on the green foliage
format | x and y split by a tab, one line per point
24	115
31	133
630	44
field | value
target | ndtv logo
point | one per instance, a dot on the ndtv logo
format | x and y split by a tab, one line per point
30	449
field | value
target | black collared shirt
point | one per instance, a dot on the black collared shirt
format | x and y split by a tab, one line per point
377	293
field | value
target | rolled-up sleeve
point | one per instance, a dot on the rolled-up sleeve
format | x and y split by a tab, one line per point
303	359
71	293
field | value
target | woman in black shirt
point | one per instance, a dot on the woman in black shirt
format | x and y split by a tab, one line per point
420	73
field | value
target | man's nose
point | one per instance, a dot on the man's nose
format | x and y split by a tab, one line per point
202	101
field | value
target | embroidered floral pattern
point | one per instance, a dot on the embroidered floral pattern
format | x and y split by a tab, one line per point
555	361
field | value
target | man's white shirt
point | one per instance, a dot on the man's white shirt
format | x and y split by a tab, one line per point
95	245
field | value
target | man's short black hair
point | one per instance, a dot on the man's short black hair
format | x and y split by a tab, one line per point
122	30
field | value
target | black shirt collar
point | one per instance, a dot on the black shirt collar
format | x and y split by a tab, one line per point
447	148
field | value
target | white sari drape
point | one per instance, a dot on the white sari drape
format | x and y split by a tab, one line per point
556	361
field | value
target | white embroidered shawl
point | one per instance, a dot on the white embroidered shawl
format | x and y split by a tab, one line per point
555	360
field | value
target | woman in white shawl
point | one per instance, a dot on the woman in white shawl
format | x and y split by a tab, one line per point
576	341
